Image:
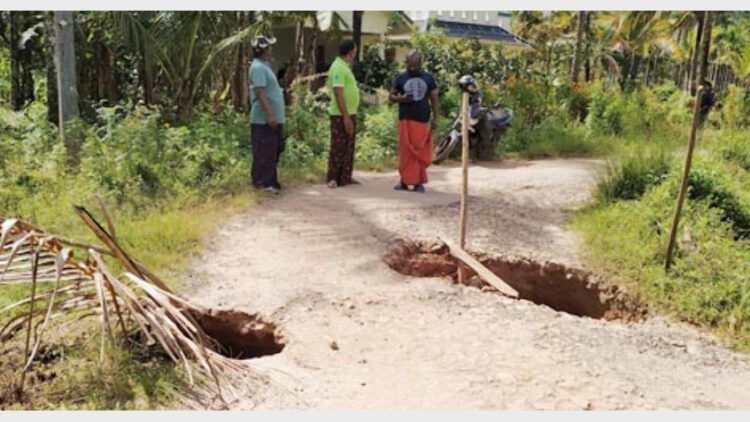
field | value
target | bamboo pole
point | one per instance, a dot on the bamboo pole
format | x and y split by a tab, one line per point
464	179
685	175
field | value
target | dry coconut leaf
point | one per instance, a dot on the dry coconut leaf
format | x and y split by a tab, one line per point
82	286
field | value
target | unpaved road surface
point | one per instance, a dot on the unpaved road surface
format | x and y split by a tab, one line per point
362	336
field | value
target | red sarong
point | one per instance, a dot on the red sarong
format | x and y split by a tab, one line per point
414	151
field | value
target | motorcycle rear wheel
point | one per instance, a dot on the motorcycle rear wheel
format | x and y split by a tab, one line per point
445	146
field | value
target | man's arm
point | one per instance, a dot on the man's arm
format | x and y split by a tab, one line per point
339	94
397	97
435	103
340	101
263	98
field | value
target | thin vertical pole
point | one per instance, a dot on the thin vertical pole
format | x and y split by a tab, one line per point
465	178
685	175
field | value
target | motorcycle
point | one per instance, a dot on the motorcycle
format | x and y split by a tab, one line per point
487	127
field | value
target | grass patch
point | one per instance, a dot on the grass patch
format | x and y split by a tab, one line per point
625	237
631	176
736	149
551	139
66	376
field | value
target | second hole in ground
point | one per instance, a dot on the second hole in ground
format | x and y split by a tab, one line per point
569	290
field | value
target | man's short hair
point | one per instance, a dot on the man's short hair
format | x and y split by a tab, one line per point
346	47
707	83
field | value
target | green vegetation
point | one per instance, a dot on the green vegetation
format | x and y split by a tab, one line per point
626	232
172	164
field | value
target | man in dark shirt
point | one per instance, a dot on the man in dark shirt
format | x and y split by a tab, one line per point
416	93
707	101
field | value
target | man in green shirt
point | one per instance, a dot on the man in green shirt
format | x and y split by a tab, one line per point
266	117
343	111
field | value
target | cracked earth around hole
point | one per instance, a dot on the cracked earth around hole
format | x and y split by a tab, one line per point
359	335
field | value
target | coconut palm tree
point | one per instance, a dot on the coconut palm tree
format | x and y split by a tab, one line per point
687	23
179	50
636	35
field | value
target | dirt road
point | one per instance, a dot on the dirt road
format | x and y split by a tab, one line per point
362	336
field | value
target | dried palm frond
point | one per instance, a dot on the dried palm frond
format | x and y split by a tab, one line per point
79	284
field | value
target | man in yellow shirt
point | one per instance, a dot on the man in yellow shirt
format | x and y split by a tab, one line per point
343	113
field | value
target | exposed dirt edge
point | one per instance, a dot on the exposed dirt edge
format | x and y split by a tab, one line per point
240	335
572	290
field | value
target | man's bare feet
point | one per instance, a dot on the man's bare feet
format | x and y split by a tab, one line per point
332	184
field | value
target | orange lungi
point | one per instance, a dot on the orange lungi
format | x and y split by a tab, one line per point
414	151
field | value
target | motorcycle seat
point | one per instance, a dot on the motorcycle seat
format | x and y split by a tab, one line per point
499	117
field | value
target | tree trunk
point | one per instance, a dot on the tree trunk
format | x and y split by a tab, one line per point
635	68
312	56
21	79
706	47
65	64
240	85
578	48
299	63
299	45
696	50
53	112
632	71
144	78
357	30
185	102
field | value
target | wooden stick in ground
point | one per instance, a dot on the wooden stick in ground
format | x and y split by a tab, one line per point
483	272
685	175
464	178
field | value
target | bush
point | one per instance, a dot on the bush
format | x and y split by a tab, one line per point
735	148
736	112
599	119
549	139
378	138
710	184
632	176
373	71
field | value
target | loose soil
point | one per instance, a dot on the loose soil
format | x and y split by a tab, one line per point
359	335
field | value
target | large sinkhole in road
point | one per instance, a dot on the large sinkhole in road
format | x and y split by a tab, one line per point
564	289
239	335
